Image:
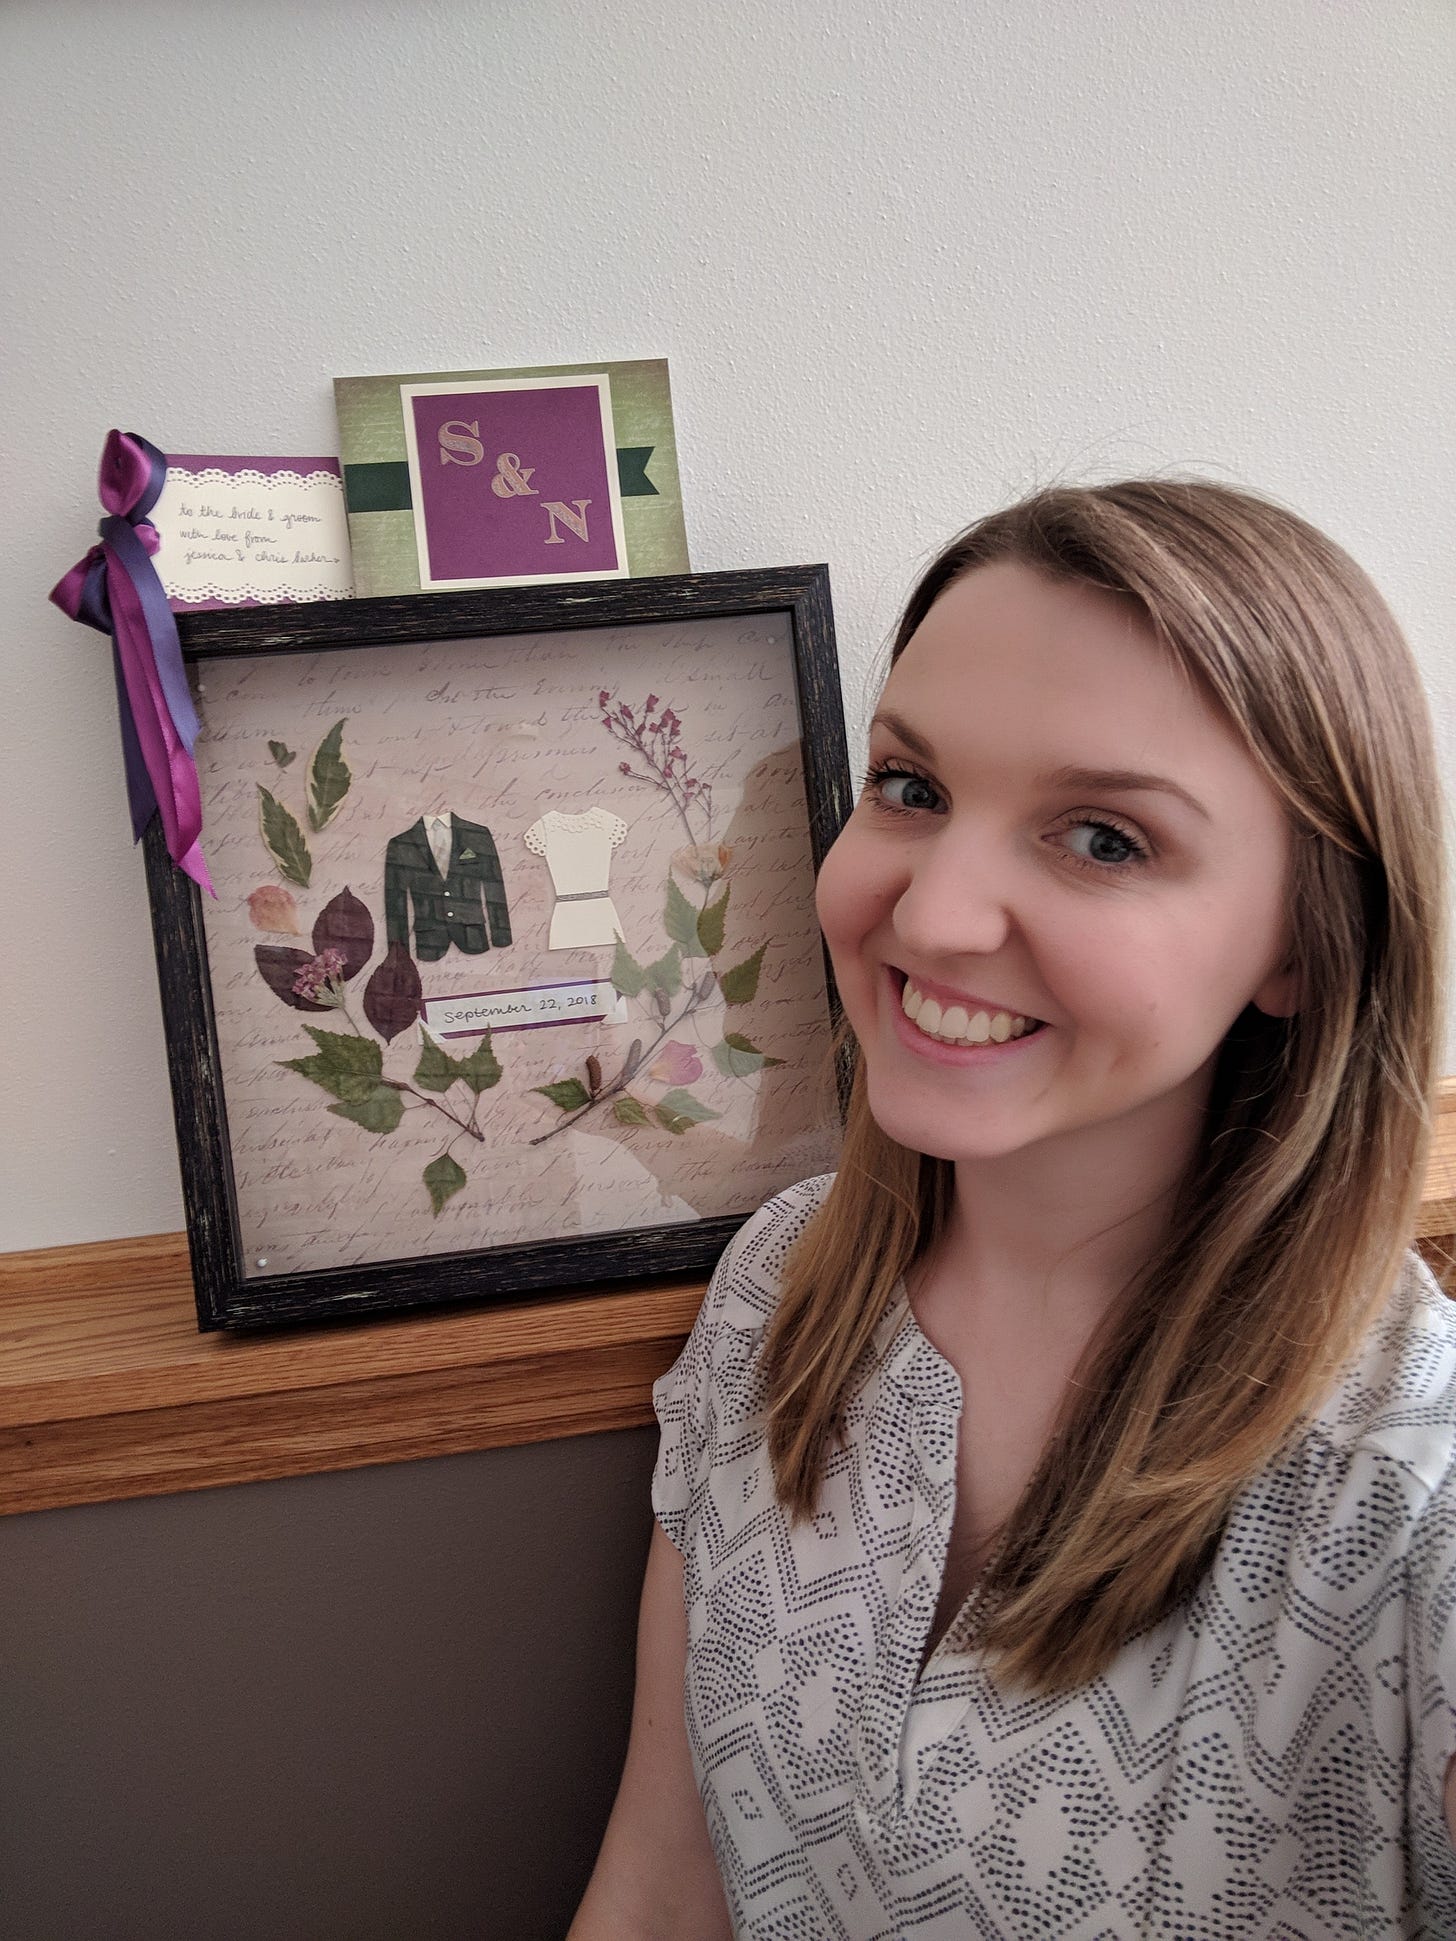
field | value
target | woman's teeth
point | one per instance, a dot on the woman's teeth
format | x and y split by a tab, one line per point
953	1025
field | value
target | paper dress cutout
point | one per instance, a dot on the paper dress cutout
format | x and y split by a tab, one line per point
460	901
578	851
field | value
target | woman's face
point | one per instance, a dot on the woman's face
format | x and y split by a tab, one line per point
1057	827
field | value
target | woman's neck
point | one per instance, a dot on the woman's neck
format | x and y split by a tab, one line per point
1071	1221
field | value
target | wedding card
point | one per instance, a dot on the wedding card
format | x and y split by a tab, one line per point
251	532
502	478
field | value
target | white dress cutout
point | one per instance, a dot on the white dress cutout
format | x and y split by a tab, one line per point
578	851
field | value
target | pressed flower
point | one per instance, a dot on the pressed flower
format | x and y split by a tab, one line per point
273	908
704	862
676	1064
318	975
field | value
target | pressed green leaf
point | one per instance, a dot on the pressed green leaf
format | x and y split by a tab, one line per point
737	1057
666	974
380	1111
569	1093
734	1063
444	1178
673	1121
740	985
328	778
710	925
346	1065
481	1069
348	1049
349	1086
628	976
681	1104
627	1112
282	753
437	1070
680	920
283	839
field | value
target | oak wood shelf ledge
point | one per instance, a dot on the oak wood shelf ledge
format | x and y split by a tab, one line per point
108	1391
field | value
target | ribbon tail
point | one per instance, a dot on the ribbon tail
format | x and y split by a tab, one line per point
126	551
192	864
141	796
167	758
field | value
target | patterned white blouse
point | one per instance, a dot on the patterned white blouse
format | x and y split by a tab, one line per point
1264	1765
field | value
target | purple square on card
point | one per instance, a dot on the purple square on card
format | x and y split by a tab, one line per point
515	484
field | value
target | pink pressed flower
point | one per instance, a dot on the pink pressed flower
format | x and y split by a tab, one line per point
676	1064
704	863
603	698
321	971
273	908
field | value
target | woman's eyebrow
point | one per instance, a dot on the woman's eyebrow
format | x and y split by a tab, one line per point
900	728
1059	778
1121	779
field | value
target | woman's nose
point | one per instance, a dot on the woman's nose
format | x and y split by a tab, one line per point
957	900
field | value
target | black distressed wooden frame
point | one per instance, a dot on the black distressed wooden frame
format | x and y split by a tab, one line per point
226	1298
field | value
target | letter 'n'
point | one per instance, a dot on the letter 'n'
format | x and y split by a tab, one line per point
555	509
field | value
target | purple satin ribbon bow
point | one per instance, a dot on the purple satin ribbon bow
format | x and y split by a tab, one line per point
116	589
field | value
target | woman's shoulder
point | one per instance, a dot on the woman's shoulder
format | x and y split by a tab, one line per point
745	1287
1397	1397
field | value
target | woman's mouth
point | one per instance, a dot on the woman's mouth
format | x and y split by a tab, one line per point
968	1023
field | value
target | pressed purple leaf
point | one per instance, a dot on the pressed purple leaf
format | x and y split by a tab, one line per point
279	967
392	995
345	925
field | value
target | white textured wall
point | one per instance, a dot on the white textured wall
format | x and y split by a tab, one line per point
905	261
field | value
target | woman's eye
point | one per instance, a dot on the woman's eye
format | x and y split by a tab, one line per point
1105	844
897	788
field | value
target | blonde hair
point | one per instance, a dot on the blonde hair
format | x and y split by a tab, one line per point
1292	1225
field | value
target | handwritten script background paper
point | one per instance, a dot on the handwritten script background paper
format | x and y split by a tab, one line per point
499	731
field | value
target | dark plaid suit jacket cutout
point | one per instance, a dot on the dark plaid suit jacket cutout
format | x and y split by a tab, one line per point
465	907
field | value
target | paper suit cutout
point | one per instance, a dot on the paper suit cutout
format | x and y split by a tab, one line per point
449	869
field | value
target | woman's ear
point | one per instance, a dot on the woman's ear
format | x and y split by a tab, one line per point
1279	995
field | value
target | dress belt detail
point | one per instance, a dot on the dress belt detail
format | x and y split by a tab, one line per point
582	896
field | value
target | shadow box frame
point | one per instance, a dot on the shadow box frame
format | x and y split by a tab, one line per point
227	1297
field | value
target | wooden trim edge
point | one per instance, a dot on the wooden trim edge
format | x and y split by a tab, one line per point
108	1391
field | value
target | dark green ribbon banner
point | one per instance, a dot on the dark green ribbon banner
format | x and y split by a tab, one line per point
386	487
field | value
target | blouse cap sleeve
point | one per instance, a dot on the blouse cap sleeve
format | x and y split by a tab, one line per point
714	1380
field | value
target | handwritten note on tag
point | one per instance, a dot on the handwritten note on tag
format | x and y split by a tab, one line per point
252	532
578	1002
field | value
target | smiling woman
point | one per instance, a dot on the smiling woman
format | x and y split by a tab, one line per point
1055	1526
991	870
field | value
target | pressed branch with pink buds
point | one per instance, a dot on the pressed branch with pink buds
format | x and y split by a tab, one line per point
672	993
656	740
